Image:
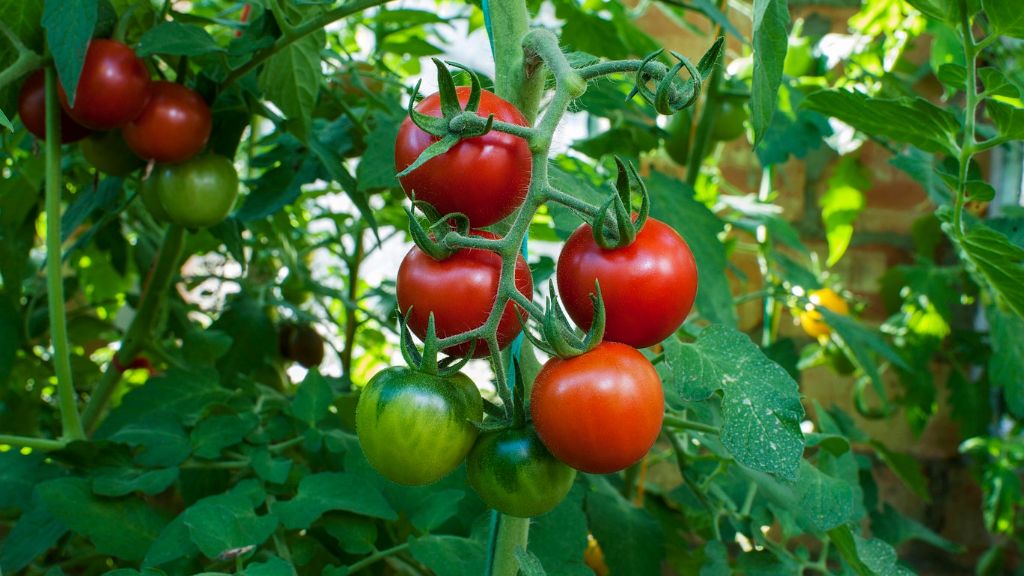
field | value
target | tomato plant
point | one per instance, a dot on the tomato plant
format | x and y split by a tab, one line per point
484	178
113	87
415	428
32	111
108	153
195	194
514	473
812	321
173	126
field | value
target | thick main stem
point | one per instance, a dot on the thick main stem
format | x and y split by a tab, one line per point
71	424
513	534
967	149
510	21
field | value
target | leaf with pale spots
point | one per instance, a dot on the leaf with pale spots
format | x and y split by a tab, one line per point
761	408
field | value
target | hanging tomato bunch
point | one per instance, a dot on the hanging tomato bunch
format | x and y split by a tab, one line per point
469	159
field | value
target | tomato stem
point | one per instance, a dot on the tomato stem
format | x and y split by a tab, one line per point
71	423
26	62
513	534
41	444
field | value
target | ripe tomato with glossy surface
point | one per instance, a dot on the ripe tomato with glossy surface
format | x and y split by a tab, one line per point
32	110
648	287
173	127
460	291
415	428
812	321
108	153
197	193
112	89
599	412
485	177
514	473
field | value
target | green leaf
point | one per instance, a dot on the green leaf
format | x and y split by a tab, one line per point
997	84
102	197
895	528
879	557
630	537
376	168
182	392
272	567
109	481
559	537
817	501
19	474
999	263
1005	16
36	532
173	543
216	433
355	534
1009	119
449	555
794	130
673	202
5	122
942	10
161	437
842	204
843	539
913	121
1006	365
176	39
121	528
324	146
761	404
313	399
529	564
436	509
270	469
291	80
906	468
69	25
329	491
861	342
227	522
716	559
771	19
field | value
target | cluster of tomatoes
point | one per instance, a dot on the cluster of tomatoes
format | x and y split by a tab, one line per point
126	119
598	411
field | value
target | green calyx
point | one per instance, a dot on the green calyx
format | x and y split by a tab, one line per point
669	96
430	238
455	122
559	337
427	360
613	226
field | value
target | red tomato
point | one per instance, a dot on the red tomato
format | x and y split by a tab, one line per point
599	412
460	291
485	178
112	89
32	109
648	287
173	127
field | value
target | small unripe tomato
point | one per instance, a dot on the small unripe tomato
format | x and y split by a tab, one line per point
173	127
32	110
812	321
108	153
112	89
198	193
729	123
677	144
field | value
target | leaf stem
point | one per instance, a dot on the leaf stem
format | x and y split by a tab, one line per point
71	423
376	557
26	62
41	444
684	424
969	146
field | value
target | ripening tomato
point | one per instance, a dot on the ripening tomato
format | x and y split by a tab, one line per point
32	109
593	557
599	412
812	321
648	287
460	291
108	153
514	473
301	343
731	117
485	177
415	428
113	87
195	194
173	127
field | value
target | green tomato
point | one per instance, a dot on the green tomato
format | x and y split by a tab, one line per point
729	123
799	58
514	473
677	144
197	193
415	428
108	153
151	199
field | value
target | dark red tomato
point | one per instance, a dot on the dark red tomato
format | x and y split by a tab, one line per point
648	287
173	127
301	343
112	89
485	178
460	291
599	412
32	109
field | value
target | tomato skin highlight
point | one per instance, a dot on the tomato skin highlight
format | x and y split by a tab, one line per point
32	110
648	287
113	87
460	291
485	177
599	412
197	193
813	322
415	428
173	127
108	153
514	473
